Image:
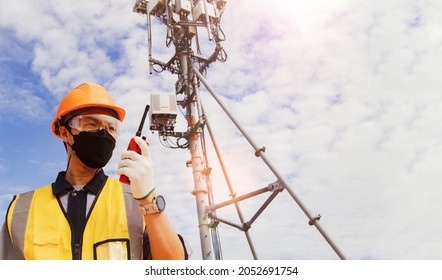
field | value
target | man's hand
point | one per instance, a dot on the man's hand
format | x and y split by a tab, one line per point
138	168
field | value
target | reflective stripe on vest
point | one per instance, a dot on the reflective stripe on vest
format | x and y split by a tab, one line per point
46	233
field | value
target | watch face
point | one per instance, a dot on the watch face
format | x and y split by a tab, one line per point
161	203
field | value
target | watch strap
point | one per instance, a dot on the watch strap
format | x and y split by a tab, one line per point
149	208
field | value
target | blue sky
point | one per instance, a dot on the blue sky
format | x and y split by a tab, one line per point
345	95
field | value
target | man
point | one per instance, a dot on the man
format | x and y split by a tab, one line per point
85	214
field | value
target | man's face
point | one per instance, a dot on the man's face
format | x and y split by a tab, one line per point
90	134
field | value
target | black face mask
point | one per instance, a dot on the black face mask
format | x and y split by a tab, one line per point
94	149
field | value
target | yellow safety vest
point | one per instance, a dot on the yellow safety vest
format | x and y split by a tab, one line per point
114	229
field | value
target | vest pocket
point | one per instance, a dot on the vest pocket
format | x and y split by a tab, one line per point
112	249
46	246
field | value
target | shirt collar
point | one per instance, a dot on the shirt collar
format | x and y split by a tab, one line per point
61	185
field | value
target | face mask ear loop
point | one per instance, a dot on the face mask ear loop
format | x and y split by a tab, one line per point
66	143
65	146
96	171
69	161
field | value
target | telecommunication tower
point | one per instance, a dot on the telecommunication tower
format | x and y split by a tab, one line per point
184	21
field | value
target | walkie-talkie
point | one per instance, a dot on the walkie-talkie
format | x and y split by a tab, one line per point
133	145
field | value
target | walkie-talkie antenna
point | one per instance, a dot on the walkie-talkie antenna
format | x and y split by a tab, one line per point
140	128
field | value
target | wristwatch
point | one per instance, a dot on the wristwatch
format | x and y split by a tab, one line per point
157	205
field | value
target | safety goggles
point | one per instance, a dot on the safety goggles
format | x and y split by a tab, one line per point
95	122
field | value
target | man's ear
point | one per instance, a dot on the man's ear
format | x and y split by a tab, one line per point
64	133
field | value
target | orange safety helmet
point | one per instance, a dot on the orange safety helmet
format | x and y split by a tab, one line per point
86	95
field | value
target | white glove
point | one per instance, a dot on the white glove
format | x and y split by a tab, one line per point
138	168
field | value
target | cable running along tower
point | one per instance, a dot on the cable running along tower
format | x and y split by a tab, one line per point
184	21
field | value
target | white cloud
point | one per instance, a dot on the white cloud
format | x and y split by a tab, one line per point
22	101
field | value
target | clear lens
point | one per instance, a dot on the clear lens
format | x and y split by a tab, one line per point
95	122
